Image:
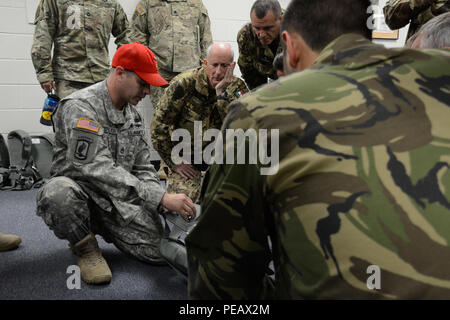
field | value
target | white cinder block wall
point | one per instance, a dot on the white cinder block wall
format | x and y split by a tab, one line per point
21	97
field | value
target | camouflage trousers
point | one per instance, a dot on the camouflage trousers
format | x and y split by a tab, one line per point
175	183
65	88
71	214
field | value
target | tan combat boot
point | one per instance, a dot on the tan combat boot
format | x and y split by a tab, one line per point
94	268
9	241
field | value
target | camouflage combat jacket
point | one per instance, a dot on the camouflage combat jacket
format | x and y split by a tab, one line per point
189	98
177	31
79	31
255	61
398	13
106	152
359	206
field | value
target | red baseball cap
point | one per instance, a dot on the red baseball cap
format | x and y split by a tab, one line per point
140	59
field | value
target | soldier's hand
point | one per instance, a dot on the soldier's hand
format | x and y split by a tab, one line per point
227	79
181	203
185	170
48	86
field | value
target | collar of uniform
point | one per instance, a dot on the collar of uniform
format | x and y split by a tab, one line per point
353	51
201	82
115	116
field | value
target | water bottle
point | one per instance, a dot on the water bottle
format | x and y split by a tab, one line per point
50	104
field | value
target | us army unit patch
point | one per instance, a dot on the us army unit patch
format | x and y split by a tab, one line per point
82	149
84	142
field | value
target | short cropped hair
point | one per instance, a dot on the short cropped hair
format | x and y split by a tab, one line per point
262	7
278	62
436	32
321	21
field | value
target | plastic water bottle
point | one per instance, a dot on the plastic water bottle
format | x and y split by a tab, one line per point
50	104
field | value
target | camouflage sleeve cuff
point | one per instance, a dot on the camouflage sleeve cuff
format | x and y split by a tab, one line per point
151	193
45	77
168	162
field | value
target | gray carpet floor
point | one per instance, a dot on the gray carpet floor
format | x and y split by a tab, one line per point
37	269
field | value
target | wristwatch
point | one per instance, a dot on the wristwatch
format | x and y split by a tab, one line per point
223	96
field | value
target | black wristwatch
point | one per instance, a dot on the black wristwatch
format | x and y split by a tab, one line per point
223	96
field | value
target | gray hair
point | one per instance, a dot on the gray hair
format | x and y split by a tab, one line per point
220	44
436	32
262	7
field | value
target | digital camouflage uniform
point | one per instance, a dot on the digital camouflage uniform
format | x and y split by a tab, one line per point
102	178
189	98
177	31
79	31
363	180
398	13
256	61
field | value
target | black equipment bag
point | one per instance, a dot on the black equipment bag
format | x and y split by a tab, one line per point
4	153
21	174
173	247
4	161
19	143
42	153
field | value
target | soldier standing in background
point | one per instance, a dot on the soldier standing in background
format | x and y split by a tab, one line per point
177	31
259	43
398	13
359	207
79	32
202	94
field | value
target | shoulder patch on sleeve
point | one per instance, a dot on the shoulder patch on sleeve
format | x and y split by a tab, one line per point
88	125
239	93
140	8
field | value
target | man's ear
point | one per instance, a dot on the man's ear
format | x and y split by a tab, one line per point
119	71
205	62
291	49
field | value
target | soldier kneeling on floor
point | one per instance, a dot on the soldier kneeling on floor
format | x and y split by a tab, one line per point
102	180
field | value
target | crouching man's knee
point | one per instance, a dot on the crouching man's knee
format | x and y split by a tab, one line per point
64	207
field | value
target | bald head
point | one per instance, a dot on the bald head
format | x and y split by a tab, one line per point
219	59
220	49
